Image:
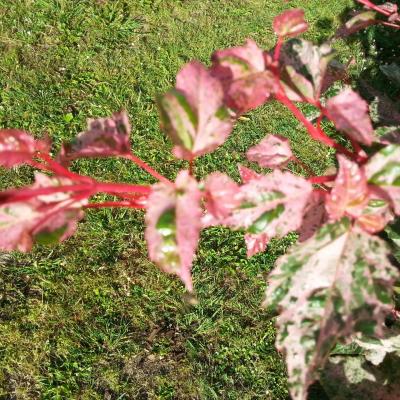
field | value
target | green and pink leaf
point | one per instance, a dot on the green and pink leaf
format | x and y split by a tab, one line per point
272	152
242	71
19	147
173	224
290	23
193	114
336	283
349	113
104	137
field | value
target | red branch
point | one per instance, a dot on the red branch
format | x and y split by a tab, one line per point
315	133
374	7
15	195
118	204
191	167
58	169
147	168
391	24
277	51
321	179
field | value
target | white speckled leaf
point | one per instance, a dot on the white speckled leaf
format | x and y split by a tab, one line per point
173	224
336	283
383	171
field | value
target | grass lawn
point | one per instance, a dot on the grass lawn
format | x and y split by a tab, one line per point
93	318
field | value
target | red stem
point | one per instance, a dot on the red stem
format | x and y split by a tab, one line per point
191	167
310	171
321	179
315	133
120	204
391	24
374	7
60	170
277	51
13	195
121	188
147	168
303	165
38	165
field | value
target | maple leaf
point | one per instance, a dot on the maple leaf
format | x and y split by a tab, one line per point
271	204
336	283
349	113
104	137
383	171
290	23
303	68
18	147
193	114
272	152
45	219
349	195
264	206
173	224
242	72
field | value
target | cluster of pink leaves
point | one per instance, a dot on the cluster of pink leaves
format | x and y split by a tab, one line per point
48	210
198	115
385	14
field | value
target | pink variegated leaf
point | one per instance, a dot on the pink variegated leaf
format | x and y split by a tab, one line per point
16	220
349	113
272	204
391	135
193	114
361	20
296	86
45	219
383	171
18	147
222	195
376	214
255	243
393	9
303	68
337	283
104	137
314	215
59	224
247	174
242	72
336	71
61	211
272	152
349	195
173	224
290	23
